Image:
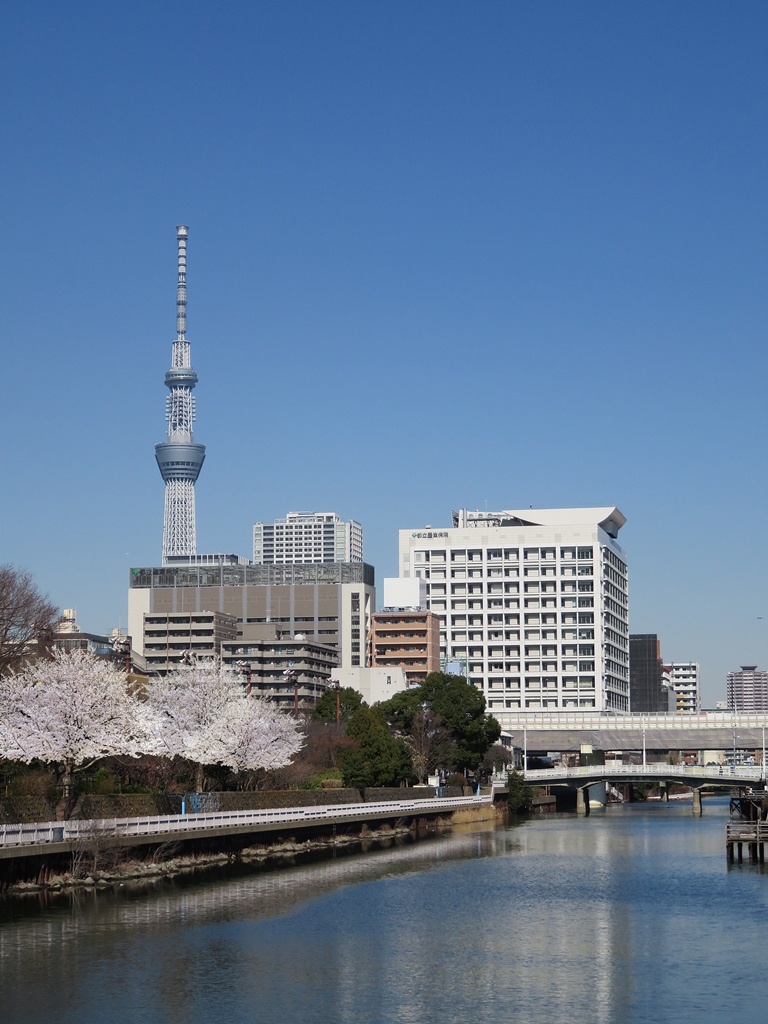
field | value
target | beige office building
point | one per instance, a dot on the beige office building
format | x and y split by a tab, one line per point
327	603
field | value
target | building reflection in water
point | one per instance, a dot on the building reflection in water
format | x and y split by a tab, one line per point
553	921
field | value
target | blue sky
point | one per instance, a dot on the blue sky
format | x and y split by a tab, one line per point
441	254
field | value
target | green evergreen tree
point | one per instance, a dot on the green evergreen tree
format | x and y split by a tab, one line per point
349	701
377	757
520	794
461	708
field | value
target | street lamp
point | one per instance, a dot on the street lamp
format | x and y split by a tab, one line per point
337	687
245	667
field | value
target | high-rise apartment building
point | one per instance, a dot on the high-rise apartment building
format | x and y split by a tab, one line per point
747	690
647	690
307	537
684	681
167	638
533	604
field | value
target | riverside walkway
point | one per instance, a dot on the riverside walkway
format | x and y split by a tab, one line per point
29	840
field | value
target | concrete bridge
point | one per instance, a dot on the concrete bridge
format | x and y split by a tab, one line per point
540	731
696	776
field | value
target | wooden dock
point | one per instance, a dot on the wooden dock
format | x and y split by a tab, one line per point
752	834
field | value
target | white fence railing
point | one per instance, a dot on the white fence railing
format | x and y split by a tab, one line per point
725	773
107	828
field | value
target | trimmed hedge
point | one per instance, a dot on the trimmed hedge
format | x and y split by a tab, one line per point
119	805
398	793
16	809
142	804
287	798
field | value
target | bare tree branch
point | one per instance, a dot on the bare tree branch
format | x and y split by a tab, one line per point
27	619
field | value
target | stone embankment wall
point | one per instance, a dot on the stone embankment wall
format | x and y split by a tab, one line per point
105	860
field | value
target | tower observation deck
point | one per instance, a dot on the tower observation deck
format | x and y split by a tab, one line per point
178	457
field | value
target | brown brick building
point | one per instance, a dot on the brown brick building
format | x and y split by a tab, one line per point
408	639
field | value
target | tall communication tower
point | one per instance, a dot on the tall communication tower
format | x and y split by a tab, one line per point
179	458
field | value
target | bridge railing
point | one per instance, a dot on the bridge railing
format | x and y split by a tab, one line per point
726	773
580	721
91	829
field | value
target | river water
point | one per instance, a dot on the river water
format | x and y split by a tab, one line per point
624	917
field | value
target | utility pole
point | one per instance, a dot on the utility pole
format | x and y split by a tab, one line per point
644	761
291	676
337	687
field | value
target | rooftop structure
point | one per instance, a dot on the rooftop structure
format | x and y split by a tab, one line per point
178	457
404	593
307	537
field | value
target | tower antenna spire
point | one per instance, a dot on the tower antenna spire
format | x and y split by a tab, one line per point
179	458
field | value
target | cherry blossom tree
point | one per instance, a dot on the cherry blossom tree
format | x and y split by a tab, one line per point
69	711
201	712
253	733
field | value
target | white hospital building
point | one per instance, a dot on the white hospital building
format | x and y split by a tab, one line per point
533	604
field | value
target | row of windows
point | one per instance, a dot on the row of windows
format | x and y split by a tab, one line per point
503	554
536	683
531	705
531	651
462	654
511	573
567	618
459	605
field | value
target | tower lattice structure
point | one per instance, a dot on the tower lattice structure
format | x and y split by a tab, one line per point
179	458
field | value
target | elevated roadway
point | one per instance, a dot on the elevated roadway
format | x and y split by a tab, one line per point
540	731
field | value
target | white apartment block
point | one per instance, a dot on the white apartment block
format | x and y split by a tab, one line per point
684	681
307	537
533	604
